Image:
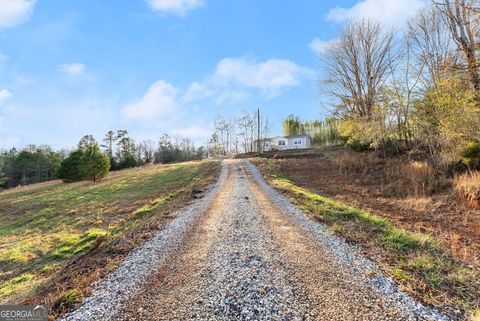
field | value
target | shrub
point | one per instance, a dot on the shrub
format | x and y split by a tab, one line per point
128	162
467	187
471	153
357	146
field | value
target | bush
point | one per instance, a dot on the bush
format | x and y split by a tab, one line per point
127	162
471	153
467	187
69	170
357	146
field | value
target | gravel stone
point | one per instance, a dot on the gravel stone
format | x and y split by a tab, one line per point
244	252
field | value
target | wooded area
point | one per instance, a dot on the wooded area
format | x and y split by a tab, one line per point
34	164
418	93
322	132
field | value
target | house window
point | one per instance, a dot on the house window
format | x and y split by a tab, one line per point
266	144
297	142
281	143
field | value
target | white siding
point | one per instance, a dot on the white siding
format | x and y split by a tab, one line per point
283	143
299	142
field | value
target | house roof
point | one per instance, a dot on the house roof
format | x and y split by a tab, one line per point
297	136
280	137
267	139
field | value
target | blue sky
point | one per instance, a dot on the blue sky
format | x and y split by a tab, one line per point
76	67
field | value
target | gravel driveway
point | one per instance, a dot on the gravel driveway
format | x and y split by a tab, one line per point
244	252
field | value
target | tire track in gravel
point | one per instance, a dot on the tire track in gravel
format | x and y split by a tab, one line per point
255	256
326	283
174	281
229	271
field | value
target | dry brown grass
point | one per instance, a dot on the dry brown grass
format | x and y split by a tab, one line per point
412	178
403	177
467	187
439	265
351	162
417	203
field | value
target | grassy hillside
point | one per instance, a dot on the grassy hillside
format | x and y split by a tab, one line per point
54	228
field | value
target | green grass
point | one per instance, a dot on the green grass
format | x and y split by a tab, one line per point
413	259
67	300
42	227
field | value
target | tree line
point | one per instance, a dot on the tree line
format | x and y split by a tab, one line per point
33	164
238	135
322	132
91	160
419	91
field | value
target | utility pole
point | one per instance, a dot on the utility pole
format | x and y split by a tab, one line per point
258	131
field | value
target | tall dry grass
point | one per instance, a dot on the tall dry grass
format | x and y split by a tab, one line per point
411	178
418	177
399	176
352	162
467	187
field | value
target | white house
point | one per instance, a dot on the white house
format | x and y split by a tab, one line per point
283	143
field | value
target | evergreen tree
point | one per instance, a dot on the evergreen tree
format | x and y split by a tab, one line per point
94	164
69	170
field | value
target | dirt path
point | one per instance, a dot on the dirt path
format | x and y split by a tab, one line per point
253	256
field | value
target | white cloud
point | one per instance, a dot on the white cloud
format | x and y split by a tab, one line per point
179	7
198	91
231	96
14	12
72	69
319	46
159	100
235	78
4	95
391	12
270	76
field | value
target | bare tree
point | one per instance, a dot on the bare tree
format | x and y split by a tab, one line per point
430	44
357	66
223	128
462	17
145	152
246	123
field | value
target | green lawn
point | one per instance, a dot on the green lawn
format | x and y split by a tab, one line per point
41	228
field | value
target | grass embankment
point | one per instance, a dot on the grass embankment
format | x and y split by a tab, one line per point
56	239
414	260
